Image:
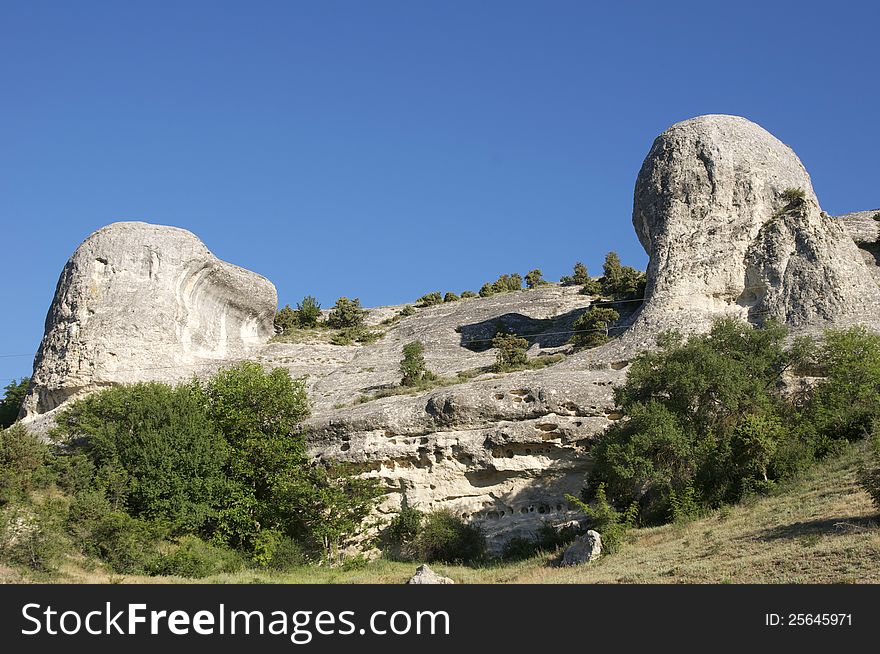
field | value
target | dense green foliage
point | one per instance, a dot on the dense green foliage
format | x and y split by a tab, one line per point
12	400
450	297
285	320
706	423
592	328
870	474
188	480
510	351
468	294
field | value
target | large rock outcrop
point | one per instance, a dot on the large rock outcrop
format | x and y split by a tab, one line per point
713	207
142	302
729	218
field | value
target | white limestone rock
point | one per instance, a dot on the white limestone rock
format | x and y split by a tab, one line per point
710	209
140	302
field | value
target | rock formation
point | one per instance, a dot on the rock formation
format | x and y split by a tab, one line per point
586	548
142	302
726	212
729	218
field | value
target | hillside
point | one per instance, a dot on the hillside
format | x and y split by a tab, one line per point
821	528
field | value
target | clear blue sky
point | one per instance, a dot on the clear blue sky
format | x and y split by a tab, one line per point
387	149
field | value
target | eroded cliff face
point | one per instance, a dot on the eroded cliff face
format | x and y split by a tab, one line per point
139	302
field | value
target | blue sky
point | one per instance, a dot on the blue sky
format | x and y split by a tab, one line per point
386	149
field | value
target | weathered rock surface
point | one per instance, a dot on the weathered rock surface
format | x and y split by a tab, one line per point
424	575
864	228
710	209
142	302
585	549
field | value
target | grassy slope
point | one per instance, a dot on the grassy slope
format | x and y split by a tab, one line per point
822	528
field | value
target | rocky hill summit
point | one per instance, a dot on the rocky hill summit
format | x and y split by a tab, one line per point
725	211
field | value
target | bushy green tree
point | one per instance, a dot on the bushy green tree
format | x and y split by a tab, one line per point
700	414
487	289
468	294
611	524
308	312
413	366
593	327
450	297
511	351
12	400
430	299
535	278
846	404
155	452
347	314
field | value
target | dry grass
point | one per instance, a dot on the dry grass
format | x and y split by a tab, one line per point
822	528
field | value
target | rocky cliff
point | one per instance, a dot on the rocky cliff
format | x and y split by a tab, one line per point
726	212
142	302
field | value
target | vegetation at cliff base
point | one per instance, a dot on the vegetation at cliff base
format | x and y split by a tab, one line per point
195	479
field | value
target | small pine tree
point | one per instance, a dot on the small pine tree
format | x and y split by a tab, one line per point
535	278
592	328
347	314
450	297
511	351
487	289
307	312
413	367
580	275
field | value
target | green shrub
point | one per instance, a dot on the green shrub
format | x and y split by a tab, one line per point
398	538
446	537
793	198
350	335
32	536
128	545
413	367
194	558
468	294
487	289
519	548
612	525
535	278
511	351
155	452
285	320
430	299
592	328
346	314
308	312
450	297
869	476
23	459
12	400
